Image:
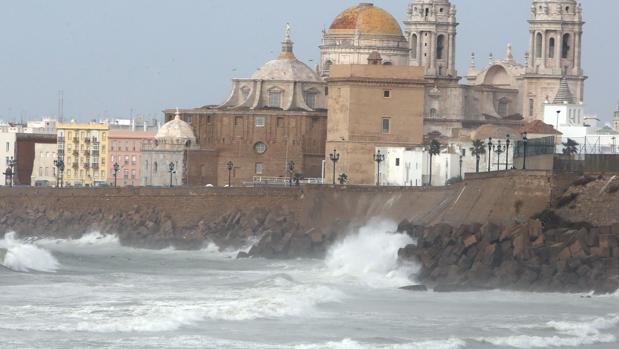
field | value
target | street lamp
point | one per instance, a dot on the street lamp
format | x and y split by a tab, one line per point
10	172
335	157
171	169
378	157
614	144
499	150
230	166
291	170
116	167
507	143
525	142
461	156
490	146
59	164
558	113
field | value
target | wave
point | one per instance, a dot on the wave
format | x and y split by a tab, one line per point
570	334
22	256
453	343
371	256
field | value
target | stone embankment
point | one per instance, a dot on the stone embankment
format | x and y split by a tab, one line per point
571	246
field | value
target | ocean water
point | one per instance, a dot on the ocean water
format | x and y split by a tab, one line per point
93	293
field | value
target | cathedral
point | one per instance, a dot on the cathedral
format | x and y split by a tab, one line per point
275	123
506	92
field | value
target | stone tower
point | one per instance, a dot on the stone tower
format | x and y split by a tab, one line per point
555	50
431	32
616	119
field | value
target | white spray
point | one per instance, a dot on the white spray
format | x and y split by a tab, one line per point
24	257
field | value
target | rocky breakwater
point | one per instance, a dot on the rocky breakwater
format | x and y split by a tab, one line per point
520	257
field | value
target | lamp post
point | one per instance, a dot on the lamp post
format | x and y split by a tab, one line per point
171	169
291	171
614	144
9	174
499	150
461	157
378	157
525	141
507	143
490	145
116	167
558	113
335	157
230	166
59	164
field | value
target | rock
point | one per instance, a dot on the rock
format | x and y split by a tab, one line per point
415	288
470	241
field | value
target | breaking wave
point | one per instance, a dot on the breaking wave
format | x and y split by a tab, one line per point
351	344
22	256
371	256
570	334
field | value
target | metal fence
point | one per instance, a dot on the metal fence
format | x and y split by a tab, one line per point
590	145
537	146
260	181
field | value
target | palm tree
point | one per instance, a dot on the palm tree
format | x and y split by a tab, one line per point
570	147
434	148
478	149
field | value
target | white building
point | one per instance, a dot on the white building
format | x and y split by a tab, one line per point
401	167
43	168
7	151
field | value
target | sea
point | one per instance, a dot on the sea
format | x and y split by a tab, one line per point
95	293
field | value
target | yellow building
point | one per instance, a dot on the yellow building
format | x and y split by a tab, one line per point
83	148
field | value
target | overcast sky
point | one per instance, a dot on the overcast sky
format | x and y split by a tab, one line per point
116	56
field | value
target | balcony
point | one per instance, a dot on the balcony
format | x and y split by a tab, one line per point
75	165
95	140
95	153
60	140
87	139
76	139
87	153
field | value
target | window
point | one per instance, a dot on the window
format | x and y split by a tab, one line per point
40	171
503	107
538	45
387	94
531	106
386	125
126	174
310	99
127	146
260	121
209	120
133	160
146	164
112	158
397	162
132	174
280	122
566	48
440	46
103	135
259	168
275	99
188	119
414	43
260	148
8	146
551	48
126	159
102	174
433	113
238	121
155	167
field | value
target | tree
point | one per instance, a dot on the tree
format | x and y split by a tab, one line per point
434	148
478	149
570	147
343	179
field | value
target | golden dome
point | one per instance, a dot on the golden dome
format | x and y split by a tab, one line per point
367	19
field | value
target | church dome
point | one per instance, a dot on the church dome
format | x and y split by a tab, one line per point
366	18
176	130
286	67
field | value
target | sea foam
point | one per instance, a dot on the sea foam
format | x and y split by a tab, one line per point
452	343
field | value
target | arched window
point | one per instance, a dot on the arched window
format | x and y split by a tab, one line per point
328	65
414	43
427	12
538	45
260	148
387	63
440	46
566	48
503	107
310	98
551	48
433	113
155	167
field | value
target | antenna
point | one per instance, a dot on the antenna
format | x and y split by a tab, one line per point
60	106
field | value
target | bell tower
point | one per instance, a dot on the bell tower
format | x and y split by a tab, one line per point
555	50
431	32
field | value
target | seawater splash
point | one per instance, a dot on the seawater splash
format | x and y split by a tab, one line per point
371	256
22	256
453	343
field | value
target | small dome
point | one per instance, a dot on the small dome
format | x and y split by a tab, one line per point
176	130
366	18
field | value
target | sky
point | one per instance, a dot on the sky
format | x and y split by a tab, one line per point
118	58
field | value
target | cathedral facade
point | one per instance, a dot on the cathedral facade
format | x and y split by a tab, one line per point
505	92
